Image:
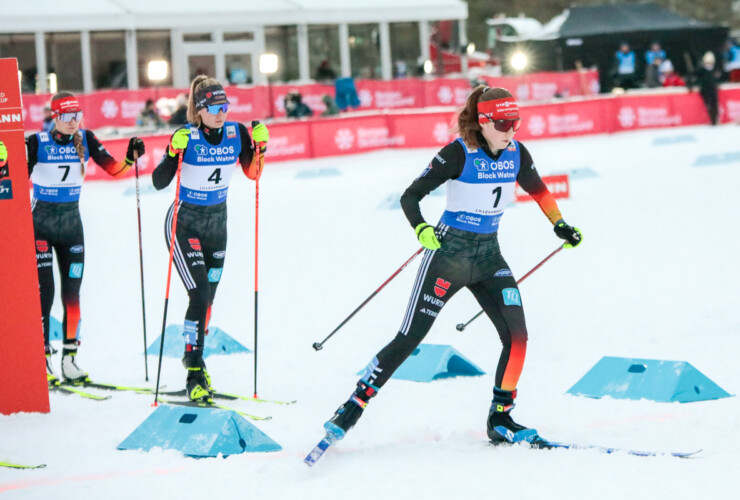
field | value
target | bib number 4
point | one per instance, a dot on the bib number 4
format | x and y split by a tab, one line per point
215	176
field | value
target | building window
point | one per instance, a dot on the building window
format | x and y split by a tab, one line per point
405	50
283	41
108	56
64	61
153	46
364	51
323	51
23	48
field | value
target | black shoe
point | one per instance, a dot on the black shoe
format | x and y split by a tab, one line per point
350	412
500	416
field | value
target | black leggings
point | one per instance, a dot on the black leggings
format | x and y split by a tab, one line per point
465	260
57	226
199	253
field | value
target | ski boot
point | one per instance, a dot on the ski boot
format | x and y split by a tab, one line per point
51	378
350	412
198	383
501	427
70	371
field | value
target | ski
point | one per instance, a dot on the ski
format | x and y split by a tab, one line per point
203	404
19	466
229	397
333	434
533	439
107	387
65	389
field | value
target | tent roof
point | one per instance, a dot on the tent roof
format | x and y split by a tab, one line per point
614	19
53	15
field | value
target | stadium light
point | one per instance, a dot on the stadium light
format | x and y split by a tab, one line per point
519	61
268	66
156	71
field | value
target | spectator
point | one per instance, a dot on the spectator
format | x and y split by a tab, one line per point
295	107
149	116
624	68
331	106
655	52
48	123
731	58
669	76
324	73
653	74
706	78
180	116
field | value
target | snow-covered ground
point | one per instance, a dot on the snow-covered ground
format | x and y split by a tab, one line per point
656	277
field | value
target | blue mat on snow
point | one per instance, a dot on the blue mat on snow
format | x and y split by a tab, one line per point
718	159
656	380
198	432
217	342
431	362
322	172
676	139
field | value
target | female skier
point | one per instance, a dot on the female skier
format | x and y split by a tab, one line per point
56	164
480	169
210	147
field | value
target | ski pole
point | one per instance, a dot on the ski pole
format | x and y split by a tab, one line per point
261	160
173	242
319	345
141	268
461	326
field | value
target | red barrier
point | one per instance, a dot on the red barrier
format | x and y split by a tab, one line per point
119	108
23	366
558	185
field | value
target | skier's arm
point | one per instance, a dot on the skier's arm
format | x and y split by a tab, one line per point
250	162
101	156
167	168
531	182
447	164
32	148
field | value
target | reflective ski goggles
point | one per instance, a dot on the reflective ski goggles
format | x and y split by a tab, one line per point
68	117
215	108
506	125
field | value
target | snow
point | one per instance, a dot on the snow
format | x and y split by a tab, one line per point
656	277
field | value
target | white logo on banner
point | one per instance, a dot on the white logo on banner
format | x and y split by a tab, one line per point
522	92
366	98
536	125
344	138
444	94
441	132
109	108
626	117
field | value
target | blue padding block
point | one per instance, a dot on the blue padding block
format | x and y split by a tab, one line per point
656	380
198	432
217	342
55	329
676	139
717	159
322	172
391	202
431	362
582	173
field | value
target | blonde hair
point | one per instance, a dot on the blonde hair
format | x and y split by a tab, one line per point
77	137
467	119
199	83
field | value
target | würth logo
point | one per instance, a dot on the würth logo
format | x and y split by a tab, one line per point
194	243
440	287
42	246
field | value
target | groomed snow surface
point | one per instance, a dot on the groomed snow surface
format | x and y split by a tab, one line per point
656	277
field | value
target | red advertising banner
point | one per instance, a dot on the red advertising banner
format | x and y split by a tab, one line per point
558	185
23	362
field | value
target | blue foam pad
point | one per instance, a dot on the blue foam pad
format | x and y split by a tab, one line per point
391	202
582	173
656	380
322	172
676	139
217	342
55	329
431	362
718	159
198	432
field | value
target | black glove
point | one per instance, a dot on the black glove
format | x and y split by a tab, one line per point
572	235
137	145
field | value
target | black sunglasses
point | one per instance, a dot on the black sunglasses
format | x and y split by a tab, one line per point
506	125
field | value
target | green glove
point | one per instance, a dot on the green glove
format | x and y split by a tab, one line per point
179	141
3	152
260	134
426	236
